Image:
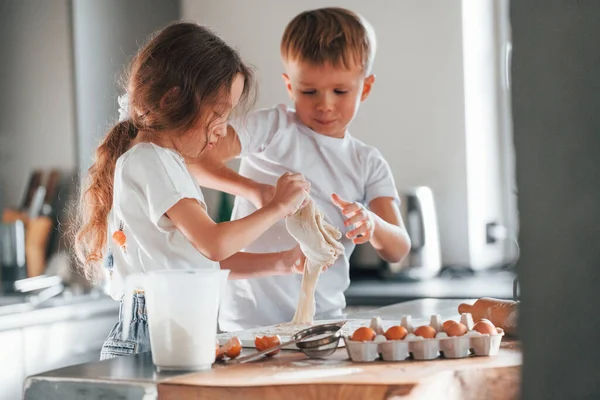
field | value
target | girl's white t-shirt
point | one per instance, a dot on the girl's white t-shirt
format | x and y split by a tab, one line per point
149	180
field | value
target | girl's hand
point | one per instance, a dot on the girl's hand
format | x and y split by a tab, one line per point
262	195
356	215
290	193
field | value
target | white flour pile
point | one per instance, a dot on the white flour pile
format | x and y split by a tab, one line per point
174	346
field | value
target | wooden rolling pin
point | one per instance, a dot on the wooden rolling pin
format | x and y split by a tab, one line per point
502	313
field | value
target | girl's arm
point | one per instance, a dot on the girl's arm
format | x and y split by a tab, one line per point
220	241
211	171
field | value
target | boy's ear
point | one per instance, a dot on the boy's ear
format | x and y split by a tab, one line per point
288	85
367	86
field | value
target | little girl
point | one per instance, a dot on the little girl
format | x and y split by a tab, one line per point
141	203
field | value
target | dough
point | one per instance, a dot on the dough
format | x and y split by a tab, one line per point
319	241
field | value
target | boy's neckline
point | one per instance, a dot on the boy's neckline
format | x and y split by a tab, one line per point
323	139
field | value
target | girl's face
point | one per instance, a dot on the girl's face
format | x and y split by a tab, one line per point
201	137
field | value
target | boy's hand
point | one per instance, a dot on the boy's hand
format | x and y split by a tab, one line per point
296	258
356	215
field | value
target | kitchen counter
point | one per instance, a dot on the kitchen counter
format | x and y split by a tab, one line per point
63	330
16	312
291	375
378	292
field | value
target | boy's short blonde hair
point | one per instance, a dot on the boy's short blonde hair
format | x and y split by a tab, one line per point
330	35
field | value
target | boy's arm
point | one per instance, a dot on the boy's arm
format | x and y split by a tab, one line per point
211	171
390	238
381	225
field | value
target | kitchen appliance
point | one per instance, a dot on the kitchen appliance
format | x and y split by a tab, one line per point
417	208
418	213
12	254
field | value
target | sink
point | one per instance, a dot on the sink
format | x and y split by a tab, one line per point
66	299
14	304
17	303
9	300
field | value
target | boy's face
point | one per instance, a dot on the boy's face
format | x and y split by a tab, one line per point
326	97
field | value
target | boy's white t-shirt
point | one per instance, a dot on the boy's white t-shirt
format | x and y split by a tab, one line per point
274	142
149	180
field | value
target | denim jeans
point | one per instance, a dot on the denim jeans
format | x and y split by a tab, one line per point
138	337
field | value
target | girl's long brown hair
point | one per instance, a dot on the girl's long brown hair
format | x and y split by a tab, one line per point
191	67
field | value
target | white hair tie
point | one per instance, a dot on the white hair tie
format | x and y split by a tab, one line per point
124	114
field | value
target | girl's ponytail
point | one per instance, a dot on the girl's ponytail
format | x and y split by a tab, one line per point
96	199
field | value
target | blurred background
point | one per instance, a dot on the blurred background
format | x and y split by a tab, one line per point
440	113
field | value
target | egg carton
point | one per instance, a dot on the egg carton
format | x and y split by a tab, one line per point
471	343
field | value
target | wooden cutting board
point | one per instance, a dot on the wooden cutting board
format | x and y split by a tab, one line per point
291	375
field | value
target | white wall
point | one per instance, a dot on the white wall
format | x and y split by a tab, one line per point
37	128
107	34
415	115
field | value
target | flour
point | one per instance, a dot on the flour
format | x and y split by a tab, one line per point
318	363
174	347
319	242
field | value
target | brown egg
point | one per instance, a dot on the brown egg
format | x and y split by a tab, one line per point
364	334
425	331
455	329
447	323
396	333
233	348
265	342
485	327
219	352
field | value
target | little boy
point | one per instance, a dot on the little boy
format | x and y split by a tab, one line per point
327	55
